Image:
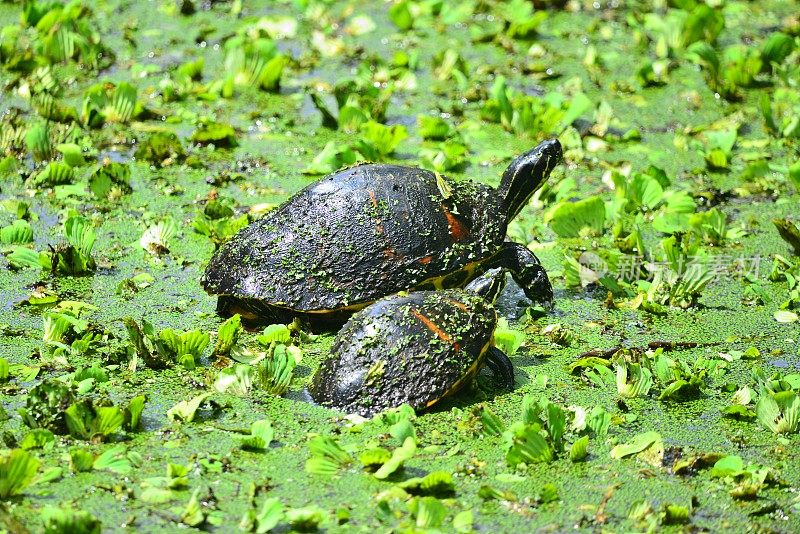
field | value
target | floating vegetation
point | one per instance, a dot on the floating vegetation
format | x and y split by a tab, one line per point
660	391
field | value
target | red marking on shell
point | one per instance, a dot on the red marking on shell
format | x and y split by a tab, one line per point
374	201
458	304
425	260
458	231
430	325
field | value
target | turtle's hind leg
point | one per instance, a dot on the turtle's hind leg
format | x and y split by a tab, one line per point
501	366
252	312
525	269
256	313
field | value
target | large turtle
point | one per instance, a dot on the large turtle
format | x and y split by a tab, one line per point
372	230
413	349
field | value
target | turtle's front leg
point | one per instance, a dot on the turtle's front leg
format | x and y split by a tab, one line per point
526	270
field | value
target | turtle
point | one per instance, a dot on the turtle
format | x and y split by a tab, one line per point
413	348
372	230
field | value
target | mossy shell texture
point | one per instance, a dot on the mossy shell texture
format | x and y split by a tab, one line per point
358	235
411	349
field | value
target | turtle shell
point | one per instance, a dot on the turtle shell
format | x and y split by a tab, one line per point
411	349
358	235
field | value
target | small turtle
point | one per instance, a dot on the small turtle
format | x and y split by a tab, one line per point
415	349
372	230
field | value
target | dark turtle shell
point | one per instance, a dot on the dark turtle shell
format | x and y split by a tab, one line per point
358	235
411	349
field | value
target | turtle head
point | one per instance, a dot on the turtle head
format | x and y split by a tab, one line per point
526	174
489	285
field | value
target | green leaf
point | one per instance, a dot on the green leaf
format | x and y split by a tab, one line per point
492	424
548	493
399	456
271	514
228	335
671	223
17	470
161	148
463	521
779	412
56	326
185	411
429	512
703	23
193	514
55	173
261	434
776	48
105	102
123	103
278	333
254	62
676	515
18	232
113	460
765	107
378	140
133	412
727	466
645	191
178	344
786	316
639	444
444	156
489	493
86	421
275	371
221	135
402	429
578	105
580	449
21	258
704	54
332	158
306	519
400	15
556	421
68	521
72	153
434	128
77	257
525	444
327	457
112	175
37	438
80	460
639	382
374	458
236	380
38	142
789	232
435	483
716	159
507	339
573	219
156	237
